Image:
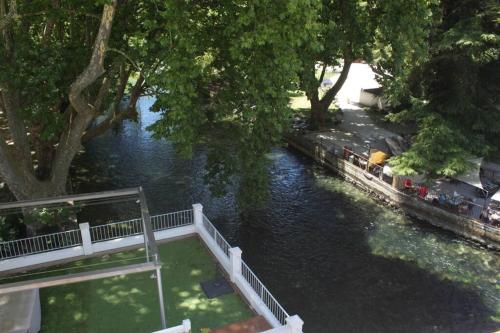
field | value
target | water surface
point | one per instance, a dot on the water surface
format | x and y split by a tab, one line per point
328	252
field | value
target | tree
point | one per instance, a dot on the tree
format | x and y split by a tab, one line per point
382	33
455	93
226	84
60	69
232	65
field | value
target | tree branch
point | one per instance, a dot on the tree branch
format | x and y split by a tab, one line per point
116	117
95	67
11	169
332	92
70	141
6	17
49	27
322	73
17	127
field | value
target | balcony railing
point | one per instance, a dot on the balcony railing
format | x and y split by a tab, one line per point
112	236
39	244
100	233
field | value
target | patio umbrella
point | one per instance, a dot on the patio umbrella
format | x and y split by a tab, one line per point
496	197
471	176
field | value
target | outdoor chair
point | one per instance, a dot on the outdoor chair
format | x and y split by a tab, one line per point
423	191
442	199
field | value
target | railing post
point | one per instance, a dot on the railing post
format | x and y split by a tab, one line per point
86	240
186	325
235	262
198	216
294	323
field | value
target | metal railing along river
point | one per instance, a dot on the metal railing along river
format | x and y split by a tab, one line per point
260	289
216	236
265	295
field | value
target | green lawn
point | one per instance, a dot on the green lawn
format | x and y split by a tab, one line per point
130	303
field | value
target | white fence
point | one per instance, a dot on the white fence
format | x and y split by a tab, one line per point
241	275
87	240
115	230
265	295
172	220
100	233
185	327
39	244
216	236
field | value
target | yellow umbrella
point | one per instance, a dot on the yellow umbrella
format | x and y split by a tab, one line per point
378	157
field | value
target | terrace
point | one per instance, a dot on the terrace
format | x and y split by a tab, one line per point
192	251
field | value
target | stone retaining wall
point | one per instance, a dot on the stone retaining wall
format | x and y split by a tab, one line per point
422	210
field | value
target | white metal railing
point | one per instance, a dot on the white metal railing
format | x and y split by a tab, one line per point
265	295
100	233
172	220
38	244
216	236
238	270
104	232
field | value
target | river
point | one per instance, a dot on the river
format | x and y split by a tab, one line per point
326	250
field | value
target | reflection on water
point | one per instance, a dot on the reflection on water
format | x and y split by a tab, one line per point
394	236
326	250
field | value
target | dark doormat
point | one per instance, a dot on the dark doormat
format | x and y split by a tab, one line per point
217	287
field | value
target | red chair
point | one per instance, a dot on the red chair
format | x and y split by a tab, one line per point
422	191
408	184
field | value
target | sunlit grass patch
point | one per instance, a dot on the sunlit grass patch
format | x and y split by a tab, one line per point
129	303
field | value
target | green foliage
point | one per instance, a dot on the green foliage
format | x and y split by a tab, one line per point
226	83
437	138
401	31
49	217
457	105
226	80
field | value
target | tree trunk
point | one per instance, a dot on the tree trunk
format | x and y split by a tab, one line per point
31	216
15	157
319	107
319	112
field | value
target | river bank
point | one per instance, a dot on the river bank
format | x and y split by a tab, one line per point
384	191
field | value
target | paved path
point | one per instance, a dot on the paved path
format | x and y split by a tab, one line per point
357	131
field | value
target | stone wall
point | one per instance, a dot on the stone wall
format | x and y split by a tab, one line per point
415	207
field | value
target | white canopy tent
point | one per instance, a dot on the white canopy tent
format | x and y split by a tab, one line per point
471	176
496	197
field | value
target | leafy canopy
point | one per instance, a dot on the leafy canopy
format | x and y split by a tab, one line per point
226	83
455	99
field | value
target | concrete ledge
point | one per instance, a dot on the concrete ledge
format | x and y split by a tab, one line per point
34	260
461	225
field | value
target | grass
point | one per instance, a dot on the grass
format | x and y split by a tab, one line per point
129	303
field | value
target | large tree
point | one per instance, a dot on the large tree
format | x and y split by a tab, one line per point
61	67
227	82
382	33
455	94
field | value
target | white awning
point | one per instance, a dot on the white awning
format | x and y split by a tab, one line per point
496	196
471	176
